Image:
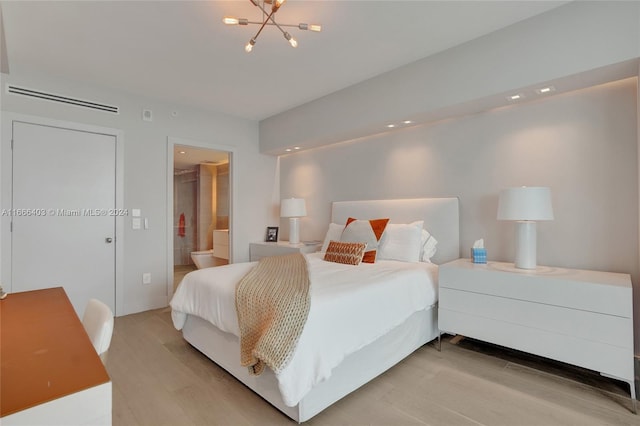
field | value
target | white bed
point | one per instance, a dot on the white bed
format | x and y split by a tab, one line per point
309	385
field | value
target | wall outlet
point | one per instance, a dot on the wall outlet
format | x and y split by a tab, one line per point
146	278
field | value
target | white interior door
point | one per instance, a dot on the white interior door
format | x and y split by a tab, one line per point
63	206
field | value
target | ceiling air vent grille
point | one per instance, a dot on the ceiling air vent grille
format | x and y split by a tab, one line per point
61	99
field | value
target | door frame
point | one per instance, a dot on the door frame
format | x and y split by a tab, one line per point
233	158
6	187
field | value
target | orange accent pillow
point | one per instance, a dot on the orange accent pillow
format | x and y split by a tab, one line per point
347	253
365	231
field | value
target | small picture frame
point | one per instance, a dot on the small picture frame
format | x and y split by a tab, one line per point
272	234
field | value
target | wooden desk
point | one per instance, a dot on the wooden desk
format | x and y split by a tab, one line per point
49	371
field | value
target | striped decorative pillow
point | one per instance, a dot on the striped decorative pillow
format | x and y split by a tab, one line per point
347	253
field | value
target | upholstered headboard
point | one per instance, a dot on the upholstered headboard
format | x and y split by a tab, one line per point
440	215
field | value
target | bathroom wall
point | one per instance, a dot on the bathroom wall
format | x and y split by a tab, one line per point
206	206
222	197
185	194
212	202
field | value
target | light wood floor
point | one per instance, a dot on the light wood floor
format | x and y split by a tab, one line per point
179	271
159	379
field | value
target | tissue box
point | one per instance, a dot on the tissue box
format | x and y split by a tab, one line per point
479	255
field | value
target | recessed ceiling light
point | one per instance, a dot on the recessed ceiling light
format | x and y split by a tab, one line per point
516	97
391	126
288	150
296	147
545	90
407	122
182	152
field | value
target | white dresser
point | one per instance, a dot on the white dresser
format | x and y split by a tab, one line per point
263	249
584	318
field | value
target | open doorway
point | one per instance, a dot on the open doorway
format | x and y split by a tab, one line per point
201	190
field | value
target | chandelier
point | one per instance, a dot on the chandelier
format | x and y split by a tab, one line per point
268	18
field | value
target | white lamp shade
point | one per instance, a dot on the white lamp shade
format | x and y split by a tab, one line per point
293	207
525	203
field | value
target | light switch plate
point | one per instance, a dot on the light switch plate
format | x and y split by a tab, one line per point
135	212
136	223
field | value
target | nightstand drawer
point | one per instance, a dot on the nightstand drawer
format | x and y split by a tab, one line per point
594	291
611	360
606	329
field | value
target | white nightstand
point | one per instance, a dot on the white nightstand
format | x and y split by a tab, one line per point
584	318
263	249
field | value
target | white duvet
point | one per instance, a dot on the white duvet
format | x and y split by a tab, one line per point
351	306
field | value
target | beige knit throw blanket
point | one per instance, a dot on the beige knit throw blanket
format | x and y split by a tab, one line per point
272	302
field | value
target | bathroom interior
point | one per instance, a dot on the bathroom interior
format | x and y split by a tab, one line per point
200	209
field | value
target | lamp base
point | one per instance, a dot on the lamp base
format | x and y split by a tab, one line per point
294	230
526	247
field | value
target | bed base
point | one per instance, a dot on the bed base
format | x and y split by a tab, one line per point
356	369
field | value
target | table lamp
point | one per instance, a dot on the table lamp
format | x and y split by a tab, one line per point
525	205
294	209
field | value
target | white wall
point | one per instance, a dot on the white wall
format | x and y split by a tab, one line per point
583	144
579	38
145	172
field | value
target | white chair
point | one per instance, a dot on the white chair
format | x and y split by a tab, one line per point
98	323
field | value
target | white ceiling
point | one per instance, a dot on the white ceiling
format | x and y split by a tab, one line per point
181	52
186	157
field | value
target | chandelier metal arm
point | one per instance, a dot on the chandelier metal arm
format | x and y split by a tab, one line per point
269	18
300	26
263	24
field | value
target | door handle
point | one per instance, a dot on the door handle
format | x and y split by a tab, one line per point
108	240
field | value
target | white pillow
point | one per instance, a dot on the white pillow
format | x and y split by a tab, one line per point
428	249
401	242
333	233
365	231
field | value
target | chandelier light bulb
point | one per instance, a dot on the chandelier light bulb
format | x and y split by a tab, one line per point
229	20
292	41
249	46
276	5
310	27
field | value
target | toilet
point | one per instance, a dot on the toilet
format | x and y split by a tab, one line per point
217	256
203	259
